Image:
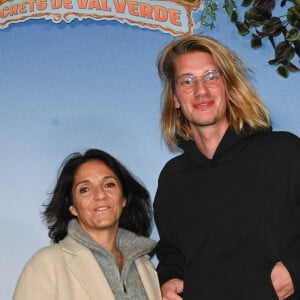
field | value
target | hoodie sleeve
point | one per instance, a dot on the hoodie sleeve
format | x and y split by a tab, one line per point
171	260
291	220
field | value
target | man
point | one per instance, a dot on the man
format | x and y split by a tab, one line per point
228	209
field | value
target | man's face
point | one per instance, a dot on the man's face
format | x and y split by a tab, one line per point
202	104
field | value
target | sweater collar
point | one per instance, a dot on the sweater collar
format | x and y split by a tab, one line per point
130	244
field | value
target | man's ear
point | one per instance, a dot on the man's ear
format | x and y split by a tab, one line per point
176	102
73	210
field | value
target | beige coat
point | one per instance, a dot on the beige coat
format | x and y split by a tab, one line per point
69	271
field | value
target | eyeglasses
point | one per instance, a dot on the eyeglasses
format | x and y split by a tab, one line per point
209	78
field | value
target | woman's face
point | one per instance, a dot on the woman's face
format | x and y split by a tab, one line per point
97	198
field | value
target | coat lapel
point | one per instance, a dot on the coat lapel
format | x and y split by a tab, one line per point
84	266
149	277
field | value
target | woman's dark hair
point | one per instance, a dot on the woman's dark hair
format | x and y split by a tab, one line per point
136	215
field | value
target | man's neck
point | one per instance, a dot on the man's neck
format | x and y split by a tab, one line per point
208	138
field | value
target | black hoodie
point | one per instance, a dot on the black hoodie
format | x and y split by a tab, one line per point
224	222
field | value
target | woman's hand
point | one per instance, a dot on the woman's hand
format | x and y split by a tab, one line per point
171	289
282	281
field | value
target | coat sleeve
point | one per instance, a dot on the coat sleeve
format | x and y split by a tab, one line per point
37	281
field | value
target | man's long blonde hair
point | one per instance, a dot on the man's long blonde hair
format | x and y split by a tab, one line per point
244	105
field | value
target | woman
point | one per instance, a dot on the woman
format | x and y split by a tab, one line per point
99	218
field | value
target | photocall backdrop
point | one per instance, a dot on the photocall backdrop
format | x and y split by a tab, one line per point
71	84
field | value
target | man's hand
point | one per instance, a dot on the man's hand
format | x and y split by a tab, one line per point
171	289
282	281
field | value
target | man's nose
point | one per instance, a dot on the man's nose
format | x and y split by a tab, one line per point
200	88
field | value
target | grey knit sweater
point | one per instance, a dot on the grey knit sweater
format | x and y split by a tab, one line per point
128	284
